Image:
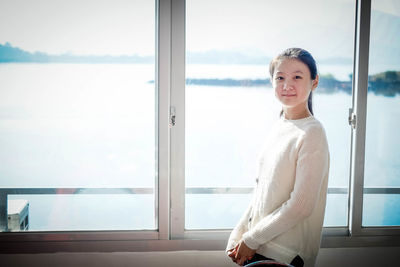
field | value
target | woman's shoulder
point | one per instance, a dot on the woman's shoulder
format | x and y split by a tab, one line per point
312	124
314	134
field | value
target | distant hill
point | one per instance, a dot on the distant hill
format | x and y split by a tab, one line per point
8	54
15	54
327	83
386	83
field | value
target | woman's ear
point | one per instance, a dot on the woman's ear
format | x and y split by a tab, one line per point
315	82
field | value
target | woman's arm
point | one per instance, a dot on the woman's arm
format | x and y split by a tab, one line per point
240	228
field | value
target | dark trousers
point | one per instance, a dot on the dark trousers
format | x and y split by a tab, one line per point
296	262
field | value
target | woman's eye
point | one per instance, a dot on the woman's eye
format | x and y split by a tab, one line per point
298	77
279	78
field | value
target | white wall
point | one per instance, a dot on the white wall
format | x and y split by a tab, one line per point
342	257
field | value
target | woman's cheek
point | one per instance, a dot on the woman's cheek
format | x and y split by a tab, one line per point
276	93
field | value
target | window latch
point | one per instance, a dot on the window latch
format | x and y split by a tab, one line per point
352	119
172	117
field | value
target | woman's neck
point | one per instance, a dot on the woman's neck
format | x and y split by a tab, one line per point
296	114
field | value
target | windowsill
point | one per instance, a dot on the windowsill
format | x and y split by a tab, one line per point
123	242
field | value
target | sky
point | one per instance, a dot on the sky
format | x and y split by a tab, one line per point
84	27
122	27
324	27
269	26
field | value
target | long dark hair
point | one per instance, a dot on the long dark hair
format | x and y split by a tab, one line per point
299	54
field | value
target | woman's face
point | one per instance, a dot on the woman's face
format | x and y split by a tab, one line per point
292	83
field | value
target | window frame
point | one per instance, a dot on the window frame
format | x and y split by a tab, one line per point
170	181
360	97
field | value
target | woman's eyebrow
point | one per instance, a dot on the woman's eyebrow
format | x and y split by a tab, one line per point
298	71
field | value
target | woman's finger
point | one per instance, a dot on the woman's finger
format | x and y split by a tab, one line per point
242	260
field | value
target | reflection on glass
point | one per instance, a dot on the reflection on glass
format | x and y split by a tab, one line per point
382	155
74	77
229	101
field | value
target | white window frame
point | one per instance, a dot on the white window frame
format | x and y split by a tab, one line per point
356	187
360	92
170	183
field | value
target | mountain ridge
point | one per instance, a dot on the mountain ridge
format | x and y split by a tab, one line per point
9	54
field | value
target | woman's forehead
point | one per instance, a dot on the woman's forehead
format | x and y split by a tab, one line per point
291	65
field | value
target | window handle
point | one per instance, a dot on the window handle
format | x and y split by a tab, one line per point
352	119
172	121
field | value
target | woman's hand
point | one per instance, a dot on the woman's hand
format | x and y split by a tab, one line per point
242	253
232	253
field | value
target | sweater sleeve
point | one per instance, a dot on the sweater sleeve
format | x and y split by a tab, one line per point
240	228
311	168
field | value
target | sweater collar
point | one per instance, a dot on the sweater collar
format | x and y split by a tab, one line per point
309	118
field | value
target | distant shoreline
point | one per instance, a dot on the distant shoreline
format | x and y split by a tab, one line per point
12	54
385	83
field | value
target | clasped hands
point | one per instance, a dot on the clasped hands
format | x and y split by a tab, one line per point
241	253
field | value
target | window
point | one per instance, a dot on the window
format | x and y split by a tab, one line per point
230	102
381	180
77	113
141	120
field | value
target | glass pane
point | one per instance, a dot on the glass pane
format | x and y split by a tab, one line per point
77	108
382	148
337	206
230	102
220	216
83	212
381	210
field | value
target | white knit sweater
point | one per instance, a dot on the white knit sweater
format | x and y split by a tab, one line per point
285	216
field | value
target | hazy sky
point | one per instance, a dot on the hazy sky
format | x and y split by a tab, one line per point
115	27
325	27
269	26
79	26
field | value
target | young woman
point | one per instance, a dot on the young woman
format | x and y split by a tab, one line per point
284	219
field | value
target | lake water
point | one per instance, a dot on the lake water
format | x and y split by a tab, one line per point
93	125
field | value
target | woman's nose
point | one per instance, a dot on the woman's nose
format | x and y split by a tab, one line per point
287	86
